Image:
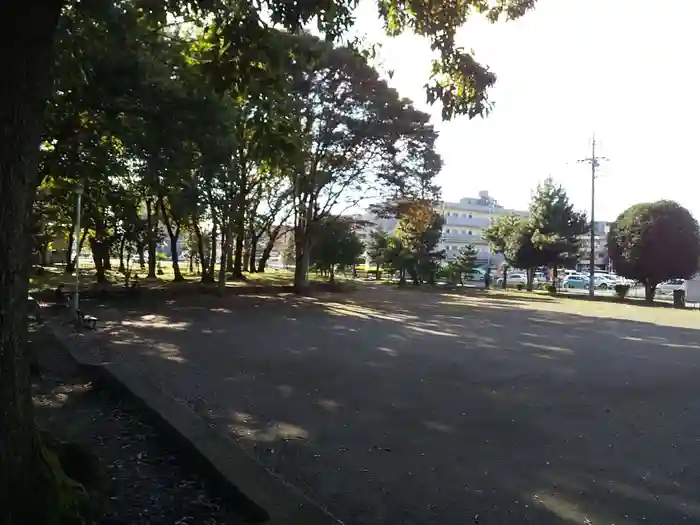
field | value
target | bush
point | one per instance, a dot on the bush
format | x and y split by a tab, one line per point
621	290
551	288
519	287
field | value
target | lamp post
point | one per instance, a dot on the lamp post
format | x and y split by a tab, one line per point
78	204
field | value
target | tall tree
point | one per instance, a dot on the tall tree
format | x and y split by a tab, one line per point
336	245
377	247
654	242
352	125
465	262
556	227
420	231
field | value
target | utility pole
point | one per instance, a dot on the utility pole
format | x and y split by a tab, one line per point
594	161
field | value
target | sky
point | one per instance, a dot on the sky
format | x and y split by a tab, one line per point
626	70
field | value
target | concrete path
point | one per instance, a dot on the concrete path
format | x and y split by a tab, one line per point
414	408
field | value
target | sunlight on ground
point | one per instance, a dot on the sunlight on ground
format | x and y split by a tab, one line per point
156	321
680	318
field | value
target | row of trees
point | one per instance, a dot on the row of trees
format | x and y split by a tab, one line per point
550	236
649	242
163	138
214	118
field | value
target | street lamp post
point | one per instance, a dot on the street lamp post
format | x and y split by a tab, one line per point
78	204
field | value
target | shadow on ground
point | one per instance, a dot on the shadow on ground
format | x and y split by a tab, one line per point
396	407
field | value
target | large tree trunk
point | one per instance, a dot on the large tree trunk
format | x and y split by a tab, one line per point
649	291
265	255
150	240
29	487
302	252
530	279
253	252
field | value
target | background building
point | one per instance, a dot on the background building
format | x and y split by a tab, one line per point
602	260
465	222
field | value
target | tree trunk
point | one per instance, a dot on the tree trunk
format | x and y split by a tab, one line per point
206	277
212	252
173	235
649	291
70	265
142	258
29	488
122	244
150	240
106	259
530	278
265	256
238	256
302	251
253	252
331	274
226	246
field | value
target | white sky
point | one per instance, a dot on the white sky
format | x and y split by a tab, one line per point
626	69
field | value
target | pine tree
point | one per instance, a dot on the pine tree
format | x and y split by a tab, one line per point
465	262
556	226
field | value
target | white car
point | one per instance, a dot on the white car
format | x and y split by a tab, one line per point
668	287
514	279
605	282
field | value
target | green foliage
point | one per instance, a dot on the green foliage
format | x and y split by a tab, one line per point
336	245
377	246
654	242
555	226
463	265
621	290
551	289
512	236
419	231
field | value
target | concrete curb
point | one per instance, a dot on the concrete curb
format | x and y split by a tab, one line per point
271	500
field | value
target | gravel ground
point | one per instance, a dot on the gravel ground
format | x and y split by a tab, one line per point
149	483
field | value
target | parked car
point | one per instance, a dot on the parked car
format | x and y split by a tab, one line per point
669	286
605	282
514	279
576	281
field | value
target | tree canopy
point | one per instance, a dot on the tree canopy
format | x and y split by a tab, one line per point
654	242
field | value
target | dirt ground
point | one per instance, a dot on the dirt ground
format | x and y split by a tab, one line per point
408	407
148	481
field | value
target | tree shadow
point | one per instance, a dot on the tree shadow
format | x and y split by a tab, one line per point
403	407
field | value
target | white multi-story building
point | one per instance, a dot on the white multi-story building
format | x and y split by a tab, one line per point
465	222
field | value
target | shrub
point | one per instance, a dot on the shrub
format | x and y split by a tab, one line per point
551	288
519	287
621	290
